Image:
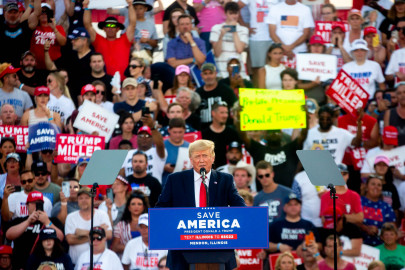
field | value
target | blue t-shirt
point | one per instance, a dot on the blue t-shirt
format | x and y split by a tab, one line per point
274	201
123	106
172	152
291	233
376	214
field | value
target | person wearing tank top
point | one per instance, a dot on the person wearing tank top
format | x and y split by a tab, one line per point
41	113
396	116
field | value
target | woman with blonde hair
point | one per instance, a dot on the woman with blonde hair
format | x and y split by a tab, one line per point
285	262
59	99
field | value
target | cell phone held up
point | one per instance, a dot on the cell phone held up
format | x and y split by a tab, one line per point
110	194
310	237
232	28
66	189
145	111
39	206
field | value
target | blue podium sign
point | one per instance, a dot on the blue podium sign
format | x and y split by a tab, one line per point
208	228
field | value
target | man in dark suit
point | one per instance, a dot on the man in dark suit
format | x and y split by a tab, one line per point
187	189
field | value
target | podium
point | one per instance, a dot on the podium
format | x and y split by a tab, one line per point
210	259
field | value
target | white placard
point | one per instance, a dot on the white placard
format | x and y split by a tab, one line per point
313	2
104	4
183	160
367	255
311	65
93	117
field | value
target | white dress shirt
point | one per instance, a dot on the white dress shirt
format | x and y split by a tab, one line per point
197	185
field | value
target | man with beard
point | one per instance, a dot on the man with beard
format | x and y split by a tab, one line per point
29	76
282	156
141	180
219	133
332	138
16	30
233	156
48	189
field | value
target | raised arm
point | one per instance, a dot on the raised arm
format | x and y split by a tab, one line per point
87	21
132	21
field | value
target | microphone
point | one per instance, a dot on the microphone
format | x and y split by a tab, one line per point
203	171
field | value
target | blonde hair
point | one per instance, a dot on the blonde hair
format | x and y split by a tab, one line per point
201	145
61	84
285	254
375	264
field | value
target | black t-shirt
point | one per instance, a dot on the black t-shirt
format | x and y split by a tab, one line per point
148	185
63	262
221	141
390	195
39	79
387	26
190	10
14	41
78	69
24	243
221	93
106	79
350	230
283	159
291	233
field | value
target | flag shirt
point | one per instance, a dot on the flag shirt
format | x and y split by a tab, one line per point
291	20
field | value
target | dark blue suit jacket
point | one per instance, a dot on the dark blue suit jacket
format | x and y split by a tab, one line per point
179	192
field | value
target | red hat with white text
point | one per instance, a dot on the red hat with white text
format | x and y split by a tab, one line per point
88	88
390	135
35	196
316	39
42	90
145	129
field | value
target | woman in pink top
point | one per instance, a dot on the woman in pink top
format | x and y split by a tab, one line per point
127	124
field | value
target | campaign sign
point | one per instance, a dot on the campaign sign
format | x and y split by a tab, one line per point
324	29
208	228
347	93
71	146
248	259
368	254
311	65
264	109
94	118
19	133
104	4
42	136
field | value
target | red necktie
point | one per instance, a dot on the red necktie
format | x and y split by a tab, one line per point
203	195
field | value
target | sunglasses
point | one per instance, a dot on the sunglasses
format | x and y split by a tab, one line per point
46	152
110	25
260	176
75	187
99	238
401	29
49	81
80	160
134	66
144	136
100	92
41	173
27	181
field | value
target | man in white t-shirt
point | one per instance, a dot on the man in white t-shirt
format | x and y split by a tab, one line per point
103	258
326	136
137	254
229	39
14	203
78	225
290	23
156	154
396	66
366	72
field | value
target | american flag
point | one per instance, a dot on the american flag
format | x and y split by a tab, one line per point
289	20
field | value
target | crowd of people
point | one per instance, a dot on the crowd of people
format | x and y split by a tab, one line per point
54	57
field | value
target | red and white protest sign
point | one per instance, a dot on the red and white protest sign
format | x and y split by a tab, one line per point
94	118
273	259
70	147
324	29
248	259
19	133
347	93
310	66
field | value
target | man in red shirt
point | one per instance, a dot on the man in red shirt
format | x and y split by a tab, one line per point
116	51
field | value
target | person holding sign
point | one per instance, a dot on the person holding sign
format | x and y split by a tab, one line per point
115	50
187	189
41	113
366	72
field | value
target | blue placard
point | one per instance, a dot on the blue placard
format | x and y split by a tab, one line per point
42	136
208	228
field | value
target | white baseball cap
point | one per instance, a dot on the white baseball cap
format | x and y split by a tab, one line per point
143	219
359	44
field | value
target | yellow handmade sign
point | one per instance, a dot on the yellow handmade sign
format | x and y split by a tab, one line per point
264	109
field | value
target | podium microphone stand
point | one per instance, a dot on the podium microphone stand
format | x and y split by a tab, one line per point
104	166
323	171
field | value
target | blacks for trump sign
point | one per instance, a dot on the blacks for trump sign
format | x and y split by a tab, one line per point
208	228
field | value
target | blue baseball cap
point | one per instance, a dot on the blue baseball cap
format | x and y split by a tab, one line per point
79	32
